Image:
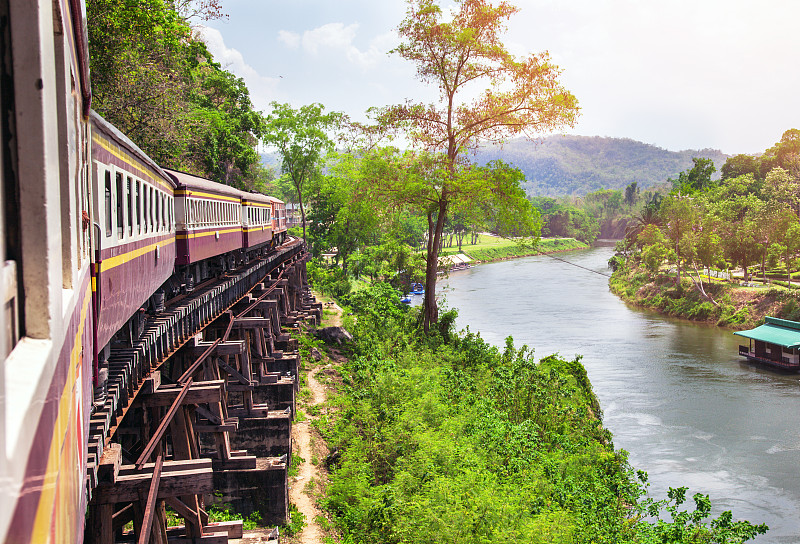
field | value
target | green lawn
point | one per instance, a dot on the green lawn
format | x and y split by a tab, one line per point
492	247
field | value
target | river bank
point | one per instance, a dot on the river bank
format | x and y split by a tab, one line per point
501	249
728	305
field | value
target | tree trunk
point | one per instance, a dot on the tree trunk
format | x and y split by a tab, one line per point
430	312
302	212
788	271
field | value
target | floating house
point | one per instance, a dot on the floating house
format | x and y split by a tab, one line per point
775	343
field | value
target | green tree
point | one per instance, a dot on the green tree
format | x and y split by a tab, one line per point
697	178
785	153
781	188
462	56
301	137
632	194
785	240
157	82
739	165
680	216
339	217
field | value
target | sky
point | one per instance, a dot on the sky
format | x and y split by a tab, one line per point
678	74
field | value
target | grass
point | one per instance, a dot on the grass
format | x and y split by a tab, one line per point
492	247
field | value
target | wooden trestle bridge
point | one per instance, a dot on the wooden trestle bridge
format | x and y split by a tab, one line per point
201	406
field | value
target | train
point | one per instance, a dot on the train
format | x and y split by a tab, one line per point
96	237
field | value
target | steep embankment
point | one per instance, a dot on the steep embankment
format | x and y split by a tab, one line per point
733	306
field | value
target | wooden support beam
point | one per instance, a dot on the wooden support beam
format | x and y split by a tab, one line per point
234	528
194	366
174	483
181	508
233	372
198	393
127	471
235	463
224	428
150	503
209	538
156	438
122	517
251	323
213	418
229	347
110	462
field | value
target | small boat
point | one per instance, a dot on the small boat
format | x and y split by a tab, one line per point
406	299
417	289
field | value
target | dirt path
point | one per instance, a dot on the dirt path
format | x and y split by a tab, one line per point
299	494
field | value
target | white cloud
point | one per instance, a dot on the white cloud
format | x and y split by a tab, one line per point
263	89
338	39
291	39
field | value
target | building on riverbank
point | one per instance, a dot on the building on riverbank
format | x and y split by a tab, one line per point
775	343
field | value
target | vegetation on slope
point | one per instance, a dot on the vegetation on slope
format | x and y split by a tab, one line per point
576	165
444	438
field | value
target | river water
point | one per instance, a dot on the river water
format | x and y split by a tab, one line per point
677	396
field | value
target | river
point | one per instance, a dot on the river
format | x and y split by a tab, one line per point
677	396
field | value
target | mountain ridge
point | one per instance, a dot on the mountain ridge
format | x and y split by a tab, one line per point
562	165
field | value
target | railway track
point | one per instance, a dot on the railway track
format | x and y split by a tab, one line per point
195	395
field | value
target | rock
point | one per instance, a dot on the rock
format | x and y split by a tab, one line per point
315	354
334	335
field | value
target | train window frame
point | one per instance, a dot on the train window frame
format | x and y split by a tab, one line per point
150	207
119	205
109	211
145	209
129	201
138	206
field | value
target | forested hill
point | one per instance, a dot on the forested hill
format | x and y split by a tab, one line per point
576	165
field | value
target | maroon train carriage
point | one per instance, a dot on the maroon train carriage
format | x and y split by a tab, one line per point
278	220
134	229
209	227
256	221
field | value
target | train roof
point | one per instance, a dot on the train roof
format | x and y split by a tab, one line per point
196	184
114	133
257	197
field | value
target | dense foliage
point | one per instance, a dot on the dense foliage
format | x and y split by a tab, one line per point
708	232
576	165
155	80
444	438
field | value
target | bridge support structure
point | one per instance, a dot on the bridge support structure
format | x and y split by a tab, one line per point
201	407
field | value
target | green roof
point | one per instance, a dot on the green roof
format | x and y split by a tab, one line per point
776	331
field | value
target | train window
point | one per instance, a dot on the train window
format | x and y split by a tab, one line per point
157	222
150	205
120	209
163	211
139	206
130	206
146	209
109	220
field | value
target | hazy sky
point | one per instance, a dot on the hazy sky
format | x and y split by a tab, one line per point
679	74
